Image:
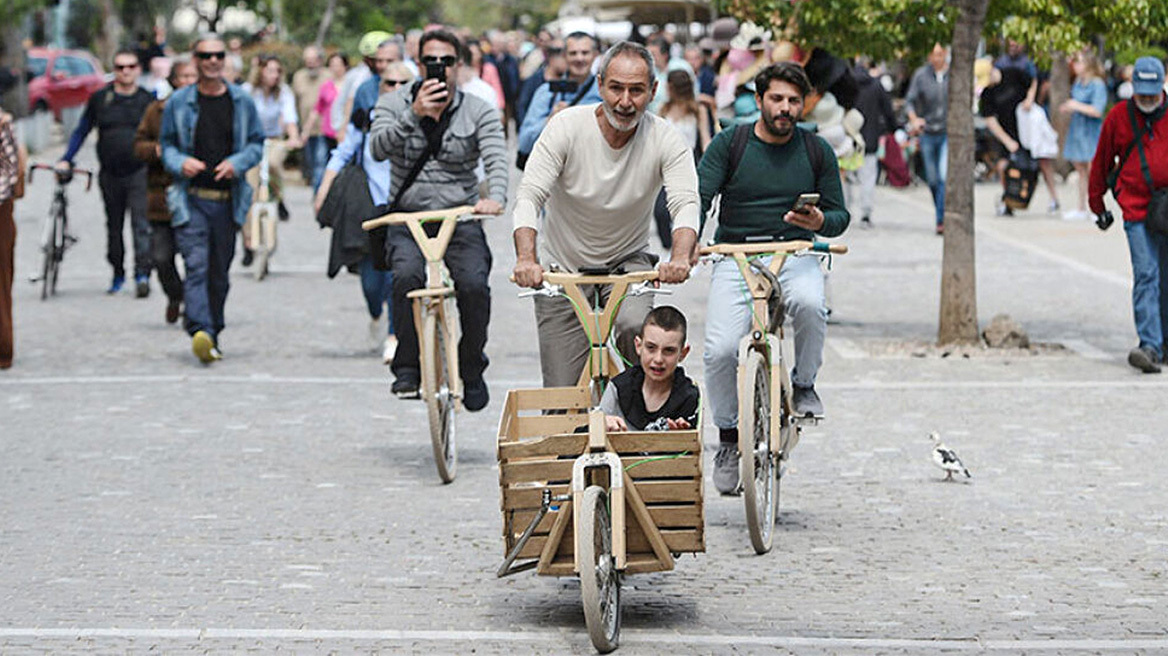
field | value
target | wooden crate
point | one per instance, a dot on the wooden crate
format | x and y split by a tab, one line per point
663	482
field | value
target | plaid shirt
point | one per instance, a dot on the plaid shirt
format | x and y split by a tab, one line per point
8	166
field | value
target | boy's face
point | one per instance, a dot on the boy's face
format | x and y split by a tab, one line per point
660	351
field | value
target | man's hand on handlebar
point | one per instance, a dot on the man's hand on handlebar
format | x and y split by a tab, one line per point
488	206
528	274
673	272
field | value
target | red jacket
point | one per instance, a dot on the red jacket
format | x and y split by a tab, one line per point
1132	191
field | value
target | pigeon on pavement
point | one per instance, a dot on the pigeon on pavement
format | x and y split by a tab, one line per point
946	458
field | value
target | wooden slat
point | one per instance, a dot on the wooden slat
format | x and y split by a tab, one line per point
538	425
550	446
507	419
656	442
673	467
551	398
522	471
670	516
669	491
554	543
637	564
528	497
685	540
642	521
535	470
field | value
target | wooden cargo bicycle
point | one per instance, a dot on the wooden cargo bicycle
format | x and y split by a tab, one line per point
578	500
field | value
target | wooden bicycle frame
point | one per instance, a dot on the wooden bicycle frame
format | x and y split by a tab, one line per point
435	295
597	324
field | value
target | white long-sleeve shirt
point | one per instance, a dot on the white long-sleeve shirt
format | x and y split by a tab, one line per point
600	200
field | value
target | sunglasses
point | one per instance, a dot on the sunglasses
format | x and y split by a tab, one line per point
124	67
394	83
445	60
211	55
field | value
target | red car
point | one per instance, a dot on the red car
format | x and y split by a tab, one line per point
61	78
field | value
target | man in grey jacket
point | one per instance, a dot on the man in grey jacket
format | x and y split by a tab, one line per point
458	130
927	102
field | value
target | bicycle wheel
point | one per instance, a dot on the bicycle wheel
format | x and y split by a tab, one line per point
757	463
599	578
60	236
436	377
49	250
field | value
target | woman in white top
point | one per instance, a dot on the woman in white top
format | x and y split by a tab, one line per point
276	105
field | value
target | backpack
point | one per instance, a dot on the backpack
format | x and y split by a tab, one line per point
738	149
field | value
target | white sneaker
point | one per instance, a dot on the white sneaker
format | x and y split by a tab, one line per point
1076	215
389	350
376	333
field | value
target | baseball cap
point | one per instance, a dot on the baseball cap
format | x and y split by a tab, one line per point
1148	76
369	43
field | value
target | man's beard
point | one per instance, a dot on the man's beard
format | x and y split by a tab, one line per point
777	130
1148	109
615	121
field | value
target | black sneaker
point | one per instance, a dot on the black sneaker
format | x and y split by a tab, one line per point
248	256
406	387
807	403
1144	359
282	211
142	286
475	395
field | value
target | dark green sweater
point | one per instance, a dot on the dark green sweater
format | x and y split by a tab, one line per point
764	188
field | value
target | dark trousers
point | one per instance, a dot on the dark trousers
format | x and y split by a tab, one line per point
207	244
162	251
7	271
469	260
121	193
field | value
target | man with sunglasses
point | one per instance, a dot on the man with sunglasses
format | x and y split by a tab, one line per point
449	132
576	86
388	53
211	135
116	110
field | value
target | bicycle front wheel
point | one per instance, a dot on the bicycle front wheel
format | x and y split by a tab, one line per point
599	578
49	249
437	375
757	462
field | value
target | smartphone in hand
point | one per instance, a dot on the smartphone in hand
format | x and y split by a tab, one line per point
436	71
804	203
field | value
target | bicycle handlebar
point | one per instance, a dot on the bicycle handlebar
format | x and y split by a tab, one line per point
775	247
63	177
461	213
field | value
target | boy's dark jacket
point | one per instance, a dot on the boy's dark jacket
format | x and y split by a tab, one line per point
682	403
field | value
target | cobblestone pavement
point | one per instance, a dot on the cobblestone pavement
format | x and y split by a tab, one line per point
282	501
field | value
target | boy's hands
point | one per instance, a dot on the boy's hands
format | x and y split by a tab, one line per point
613	424
677	424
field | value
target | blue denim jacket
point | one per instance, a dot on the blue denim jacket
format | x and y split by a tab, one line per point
177	138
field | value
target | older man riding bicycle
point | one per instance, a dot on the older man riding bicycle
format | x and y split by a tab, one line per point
599	169
777	166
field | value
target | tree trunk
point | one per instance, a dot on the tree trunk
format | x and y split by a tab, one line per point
14	102
1060	91
326	21
110	37
958	321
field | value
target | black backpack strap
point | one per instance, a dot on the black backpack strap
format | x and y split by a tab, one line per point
583	90
1113	175
814	154
738	143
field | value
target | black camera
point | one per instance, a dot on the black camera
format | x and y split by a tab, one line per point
1104	220
563	86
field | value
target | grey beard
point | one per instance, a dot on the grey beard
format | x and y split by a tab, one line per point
1149	109
612	120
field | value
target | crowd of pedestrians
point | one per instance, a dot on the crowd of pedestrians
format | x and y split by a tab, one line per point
421	121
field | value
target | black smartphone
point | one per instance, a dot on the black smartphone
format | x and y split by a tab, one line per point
563	86
436	71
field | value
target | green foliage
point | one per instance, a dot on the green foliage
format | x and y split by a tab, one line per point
895	28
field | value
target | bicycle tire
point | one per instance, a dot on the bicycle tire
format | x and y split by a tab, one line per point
49	266
59	247
757	461
599	578
439	397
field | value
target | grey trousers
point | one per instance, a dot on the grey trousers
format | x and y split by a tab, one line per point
563	345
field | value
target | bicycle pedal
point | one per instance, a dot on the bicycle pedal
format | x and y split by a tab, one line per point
809	420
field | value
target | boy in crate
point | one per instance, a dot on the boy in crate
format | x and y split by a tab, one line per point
654	395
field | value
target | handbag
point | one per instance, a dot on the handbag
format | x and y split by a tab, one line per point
1021	179
1157	216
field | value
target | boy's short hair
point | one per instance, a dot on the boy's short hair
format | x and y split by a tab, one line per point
667	318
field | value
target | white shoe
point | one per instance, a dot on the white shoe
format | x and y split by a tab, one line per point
389	350
1076	215
376	333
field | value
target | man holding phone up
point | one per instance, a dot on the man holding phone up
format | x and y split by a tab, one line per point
434	135
779	189
577	87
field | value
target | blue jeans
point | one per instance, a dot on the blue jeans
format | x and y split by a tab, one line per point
1149	255
316	153
728	321
207	244
935	154
378	289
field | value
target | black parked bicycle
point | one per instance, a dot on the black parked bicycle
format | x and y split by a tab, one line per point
55	237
